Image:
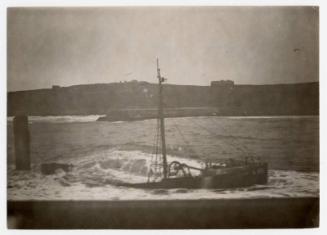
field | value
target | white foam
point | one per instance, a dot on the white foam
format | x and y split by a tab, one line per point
273	117
91	181
61	119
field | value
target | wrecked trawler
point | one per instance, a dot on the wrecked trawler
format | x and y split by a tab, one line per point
225	174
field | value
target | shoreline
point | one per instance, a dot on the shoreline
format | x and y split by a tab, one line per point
95	117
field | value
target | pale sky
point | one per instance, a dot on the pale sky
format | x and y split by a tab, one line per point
195	45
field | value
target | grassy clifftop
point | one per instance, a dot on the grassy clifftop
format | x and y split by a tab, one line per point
286	99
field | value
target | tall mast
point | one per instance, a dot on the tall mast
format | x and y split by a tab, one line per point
162	122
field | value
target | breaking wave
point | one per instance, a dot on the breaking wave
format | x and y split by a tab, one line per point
61	119
273	117
94	177
92	118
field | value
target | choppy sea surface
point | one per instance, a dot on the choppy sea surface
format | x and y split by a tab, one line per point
105	152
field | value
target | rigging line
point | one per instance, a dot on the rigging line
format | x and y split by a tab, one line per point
154	142
245	148
154	166
157	158
158	140
215	134
154	145
157	137
233	142
155	148
152	155
184	139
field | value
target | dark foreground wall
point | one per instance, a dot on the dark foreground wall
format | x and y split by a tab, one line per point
196	214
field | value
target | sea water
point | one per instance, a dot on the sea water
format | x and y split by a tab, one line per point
103	153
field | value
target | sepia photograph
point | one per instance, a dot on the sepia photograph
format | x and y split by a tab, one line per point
163	117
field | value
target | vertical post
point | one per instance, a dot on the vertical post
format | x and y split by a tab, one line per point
22	143
162	122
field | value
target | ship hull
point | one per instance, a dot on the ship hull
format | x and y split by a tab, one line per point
234	177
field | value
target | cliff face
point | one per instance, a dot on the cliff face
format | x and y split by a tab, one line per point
229	99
